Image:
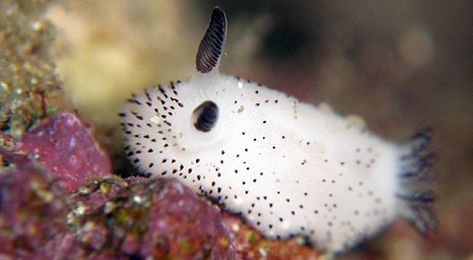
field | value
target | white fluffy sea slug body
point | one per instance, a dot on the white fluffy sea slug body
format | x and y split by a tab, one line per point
286	166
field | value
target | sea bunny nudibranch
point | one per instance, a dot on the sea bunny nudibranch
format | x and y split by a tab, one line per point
287	167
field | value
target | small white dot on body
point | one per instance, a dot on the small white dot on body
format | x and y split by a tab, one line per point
155	119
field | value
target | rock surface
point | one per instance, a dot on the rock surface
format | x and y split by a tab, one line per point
108	218
65	146
148	217
31	204
250	244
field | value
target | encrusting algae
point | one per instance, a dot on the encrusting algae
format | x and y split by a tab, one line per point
28	82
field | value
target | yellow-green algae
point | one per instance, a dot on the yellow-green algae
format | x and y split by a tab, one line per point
28	82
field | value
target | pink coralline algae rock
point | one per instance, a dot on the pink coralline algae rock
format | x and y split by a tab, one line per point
64	145
33	210
107	218
142	217
32	207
